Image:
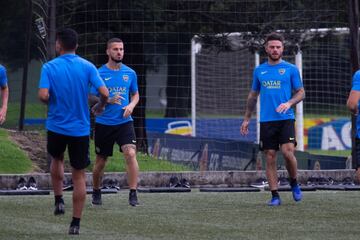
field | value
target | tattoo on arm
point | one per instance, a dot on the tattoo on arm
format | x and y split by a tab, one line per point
251	104
135	99
297	97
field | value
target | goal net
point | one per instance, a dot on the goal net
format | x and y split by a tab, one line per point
221	76
222	69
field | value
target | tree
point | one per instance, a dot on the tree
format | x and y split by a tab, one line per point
12	28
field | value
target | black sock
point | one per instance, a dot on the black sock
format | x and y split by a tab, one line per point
97	191
275	193
132	190
59	199
293	182
75	222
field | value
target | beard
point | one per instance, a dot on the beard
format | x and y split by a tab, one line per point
116	60
276	58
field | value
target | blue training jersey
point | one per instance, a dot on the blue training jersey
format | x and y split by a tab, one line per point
121	82
68	78
275	84
3	78
356	87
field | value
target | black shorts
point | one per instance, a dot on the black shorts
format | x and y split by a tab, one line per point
357	149
107	135
78	148
275	133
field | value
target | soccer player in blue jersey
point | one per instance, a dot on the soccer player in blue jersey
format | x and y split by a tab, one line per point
115	125
353	106
63	86
279	85
4	94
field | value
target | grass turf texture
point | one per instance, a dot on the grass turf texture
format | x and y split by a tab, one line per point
116	163
12	159
322	215
32	110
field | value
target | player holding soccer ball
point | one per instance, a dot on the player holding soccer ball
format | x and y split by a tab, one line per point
275	81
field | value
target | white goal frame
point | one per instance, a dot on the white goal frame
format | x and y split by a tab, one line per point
195	49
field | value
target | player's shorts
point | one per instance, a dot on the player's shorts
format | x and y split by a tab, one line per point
107	135
275	133
78	148
357	148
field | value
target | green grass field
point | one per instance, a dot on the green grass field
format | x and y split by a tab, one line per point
196	215
12	159
32	110
116	163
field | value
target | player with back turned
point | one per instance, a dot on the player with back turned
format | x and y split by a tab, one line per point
279	85
64	86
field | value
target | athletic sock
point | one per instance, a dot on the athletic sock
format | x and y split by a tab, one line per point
275	193
97	191
75	222
132	190
293	182
59	199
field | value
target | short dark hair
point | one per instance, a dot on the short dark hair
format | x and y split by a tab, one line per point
112	40
68	38
274	36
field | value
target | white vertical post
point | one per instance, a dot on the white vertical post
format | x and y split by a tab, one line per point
257	63
193	87
299	108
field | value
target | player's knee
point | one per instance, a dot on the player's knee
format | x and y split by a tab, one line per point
100	164
100	160
270	155
130	155
78	175
288	154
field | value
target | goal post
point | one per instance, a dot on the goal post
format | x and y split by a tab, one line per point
228	69
299	108
195	48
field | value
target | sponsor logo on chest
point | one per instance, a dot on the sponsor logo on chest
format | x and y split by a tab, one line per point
272	84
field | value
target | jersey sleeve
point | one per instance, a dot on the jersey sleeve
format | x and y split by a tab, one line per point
255	83
95	78
134	85
93	90
356	81
296	79
3	77
44	78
